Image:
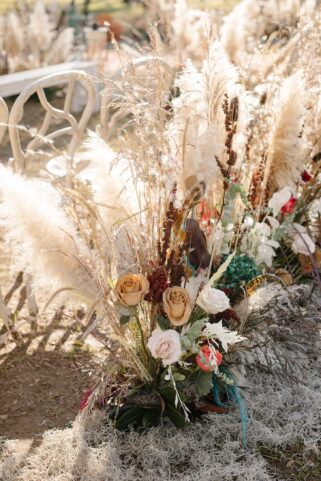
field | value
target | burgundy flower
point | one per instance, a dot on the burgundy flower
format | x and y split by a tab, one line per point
85	397
306	176
158	283
288	208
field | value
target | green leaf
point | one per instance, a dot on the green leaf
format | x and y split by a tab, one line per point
163	323
195	330
193	333
178	376
168	394
124	319
151	417
131	416
203	381
177	419
197	313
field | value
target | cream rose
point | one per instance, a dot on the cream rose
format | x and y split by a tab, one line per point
177	305
131	289
165	345
213	300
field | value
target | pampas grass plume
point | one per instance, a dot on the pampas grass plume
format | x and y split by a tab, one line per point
43	241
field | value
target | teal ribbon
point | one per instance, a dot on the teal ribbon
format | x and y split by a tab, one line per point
233	394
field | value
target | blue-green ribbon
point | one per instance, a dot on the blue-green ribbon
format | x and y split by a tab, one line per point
233	394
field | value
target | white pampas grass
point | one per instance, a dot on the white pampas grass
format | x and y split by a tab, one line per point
61	47
44	242
199	120
191	32
111	179
28	39
286	147
40	32
119	200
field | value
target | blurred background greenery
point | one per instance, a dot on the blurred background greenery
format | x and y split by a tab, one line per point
120	7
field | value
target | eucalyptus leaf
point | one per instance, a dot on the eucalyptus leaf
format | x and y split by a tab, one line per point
190	336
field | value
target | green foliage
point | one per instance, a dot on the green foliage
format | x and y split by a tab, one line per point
163	322
131	416
175	416
203	382
142	417
188	340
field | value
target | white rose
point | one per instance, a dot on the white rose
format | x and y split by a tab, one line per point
165	345
213	300
279	199
303	244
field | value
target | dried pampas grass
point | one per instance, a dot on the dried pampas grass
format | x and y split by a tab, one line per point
44	241
198	130
286	147
29	39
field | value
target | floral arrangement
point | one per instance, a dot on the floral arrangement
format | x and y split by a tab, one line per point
209	194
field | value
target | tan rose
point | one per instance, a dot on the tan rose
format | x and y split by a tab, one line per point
285	276
177	305
131	289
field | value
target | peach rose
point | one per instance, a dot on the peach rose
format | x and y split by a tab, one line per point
131	289
177	305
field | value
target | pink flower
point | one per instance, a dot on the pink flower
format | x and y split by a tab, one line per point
288	208
208	358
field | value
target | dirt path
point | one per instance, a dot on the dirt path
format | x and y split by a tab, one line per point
40	392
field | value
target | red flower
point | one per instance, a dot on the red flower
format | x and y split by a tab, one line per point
306	176
208	358
288	208
85	398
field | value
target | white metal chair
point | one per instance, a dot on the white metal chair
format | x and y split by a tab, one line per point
4	116
76	129
22	156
